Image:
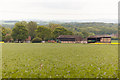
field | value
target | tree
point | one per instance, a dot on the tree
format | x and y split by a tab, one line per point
43	32
31	27
61	31
0	33
85	34
23	23
3	33
52	26
8	30
19	32
80	34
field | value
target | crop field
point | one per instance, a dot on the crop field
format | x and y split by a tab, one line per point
54	60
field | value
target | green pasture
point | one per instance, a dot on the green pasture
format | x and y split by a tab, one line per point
54	60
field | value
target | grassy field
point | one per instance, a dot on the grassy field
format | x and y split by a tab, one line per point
59	60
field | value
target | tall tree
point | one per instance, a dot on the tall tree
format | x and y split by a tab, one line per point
52	26
43	32
19	32
4	32
85	34
32	26
61	31
0	33
23	23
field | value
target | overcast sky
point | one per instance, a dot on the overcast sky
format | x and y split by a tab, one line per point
58	9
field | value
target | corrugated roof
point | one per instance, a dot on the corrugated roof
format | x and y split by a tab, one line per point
98	36
69	36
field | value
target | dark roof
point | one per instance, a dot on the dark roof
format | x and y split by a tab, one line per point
69	36
76	37
100	36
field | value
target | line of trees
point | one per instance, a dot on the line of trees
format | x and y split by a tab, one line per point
22	30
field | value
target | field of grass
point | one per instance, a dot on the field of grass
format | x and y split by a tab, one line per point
59	60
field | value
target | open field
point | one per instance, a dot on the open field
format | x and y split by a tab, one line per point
59	60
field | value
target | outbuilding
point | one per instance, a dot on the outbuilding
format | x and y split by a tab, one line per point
99	39
69	39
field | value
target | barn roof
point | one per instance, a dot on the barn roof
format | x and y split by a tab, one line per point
99	36
76	37
69	36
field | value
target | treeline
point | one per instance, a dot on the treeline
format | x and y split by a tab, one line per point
82	29
22	30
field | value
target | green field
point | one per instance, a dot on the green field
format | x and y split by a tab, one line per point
28	60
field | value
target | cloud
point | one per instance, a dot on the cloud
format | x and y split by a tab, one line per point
58	9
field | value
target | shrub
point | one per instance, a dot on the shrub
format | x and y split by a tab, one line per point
37	40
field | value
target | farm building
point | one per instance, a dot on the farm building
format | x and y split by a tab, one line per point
69	39
99	39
